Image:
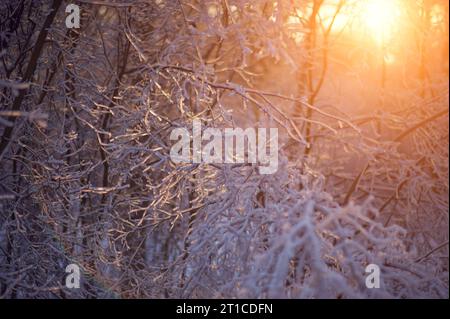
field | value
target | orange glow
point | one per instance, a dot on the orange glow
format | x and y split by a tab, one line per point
381	18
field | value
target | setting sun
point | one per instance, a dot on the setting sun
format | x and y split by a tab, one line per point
380	17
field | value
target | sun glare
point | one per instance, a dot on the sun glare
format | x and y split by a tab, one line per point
380	17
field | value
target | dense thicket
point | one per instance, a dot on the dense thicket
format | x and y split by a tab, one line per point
86	176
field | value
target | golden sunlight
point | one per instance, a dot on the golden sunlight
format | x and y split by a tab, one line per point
380	17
